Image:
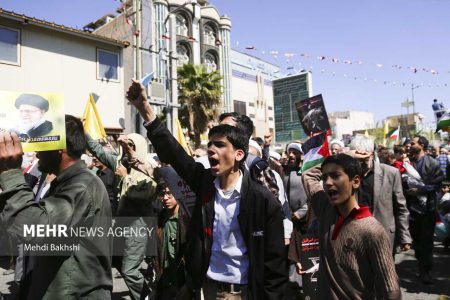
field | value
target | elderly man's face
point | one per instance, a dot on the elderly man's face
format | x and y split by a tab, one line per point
30	114
336	149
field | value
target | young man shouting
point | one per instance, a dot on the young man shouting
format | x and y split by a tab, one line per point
236	245
355	255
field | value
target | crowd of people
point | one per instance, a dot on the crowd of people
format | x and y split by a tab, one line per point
239	237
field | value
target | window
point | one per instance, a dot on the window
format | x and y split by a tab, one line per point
181	25
209	36
108	65
9	46
239	107
183	55
210	62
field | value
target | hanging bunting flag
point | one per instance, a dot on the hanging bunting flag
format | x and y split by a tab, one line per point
191	39
321	57
165	37
335	60
349	62
379	65
250	48
434	72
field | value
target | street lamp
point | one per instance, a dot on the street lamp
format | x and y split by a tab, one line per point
413	87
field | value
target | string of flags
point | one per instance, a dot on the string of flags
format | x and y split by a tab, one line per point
291	69
290	55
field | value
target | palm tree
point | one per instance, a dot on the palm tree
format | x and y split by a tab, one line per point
199	95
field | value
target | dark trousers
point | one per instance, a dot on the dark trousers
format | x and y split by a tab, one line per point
421	227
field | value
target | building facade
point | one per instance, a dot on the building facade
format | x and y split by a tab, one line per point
286	92
38	56
167	34
346	122
252	92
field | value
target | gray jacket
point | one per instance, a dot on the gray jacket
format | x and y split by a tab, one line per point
389	203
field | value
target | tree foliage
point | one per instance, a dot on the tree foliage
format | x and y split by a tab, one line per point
199	94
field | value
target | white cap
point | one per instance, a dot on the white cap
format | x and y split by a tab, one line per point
336	141
295	146
275	155
252	143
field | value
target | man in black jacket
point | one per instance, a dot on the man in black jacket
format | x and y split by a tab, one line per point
247	256
422	206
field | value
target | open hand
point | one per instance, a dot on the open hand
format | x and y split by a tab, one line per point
268	139
10	152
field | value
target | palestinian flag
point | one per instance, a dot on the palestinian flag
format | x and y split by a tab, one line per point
316	149
393	133
444	122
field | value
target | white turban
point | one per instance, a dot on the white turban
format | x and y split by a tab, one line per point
295	146
275	155
255	145
336	141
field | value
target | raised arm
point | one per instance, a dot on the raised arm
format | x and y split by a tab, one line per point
166	146
106	158
314	189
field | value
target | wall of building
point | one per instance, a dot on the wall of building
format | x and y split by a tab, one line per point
346	122
252	84
52	61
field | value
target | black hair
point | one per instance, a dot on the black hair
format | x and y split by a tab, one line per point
75	139
423	141
349	164
161	187
259	141
234	135
406	142
242	121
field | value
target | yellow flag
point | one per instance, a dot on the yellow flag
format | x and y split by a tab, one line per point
92	122
385	131
386	128
366	134
179	135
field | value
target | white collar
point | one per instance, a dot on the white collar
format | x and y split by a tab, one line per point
237	187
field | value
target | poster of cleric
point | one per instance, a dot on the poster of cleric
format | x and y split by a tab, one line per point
312	115
36	118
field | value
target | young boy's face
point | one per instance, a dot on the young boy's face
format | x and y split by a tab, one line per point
338	186
445	188
222	155
167	199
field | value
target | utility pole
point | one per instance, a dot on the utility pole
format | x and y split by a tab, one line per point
137	41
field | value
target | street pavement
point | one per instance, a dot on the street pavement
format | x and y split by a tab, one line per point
412	288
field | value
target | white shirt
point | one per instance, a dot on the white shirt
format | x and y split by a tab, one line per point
229	259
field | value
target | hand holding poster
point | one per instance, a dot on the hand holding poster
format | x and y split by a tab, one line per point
313	115
36	118
310	264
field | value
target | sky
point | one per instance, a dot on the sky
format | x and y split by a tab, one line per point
386	40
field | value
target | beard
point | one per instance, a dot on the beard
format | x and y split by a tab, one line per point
294	163
366	166
49	161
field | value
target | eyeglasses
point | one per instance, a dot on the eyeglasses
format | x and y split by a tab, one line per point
164	193
29	111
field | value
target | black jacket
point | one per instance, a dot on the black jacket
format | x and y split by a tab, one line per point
260	219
